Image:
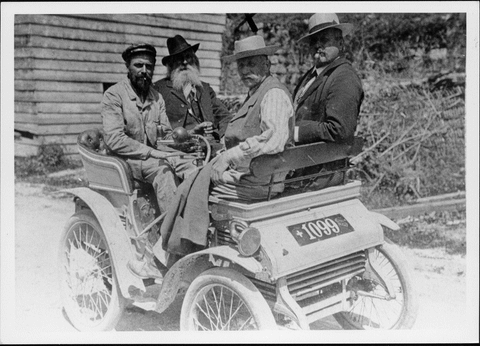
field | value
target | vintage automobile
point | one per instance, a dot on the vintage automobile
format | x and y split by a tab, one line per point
284	262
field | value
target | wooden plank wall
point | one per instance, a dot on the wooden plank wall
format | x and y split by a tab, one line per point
63	62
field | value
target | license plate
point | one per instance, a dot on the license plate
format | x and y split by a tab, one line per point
320	229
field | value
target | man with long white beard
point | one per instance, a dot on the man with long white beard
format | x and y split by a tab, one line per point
190	103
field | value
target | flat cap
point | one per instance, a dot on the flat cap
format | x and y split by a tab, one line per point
139	48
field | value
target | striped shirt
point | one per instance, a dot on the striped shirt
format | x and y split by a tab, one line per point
276	111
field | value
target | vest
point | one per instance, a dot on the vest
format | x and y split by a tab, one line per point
246	122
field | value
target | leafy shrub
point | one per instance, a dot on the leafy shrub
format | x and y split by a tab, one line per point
415	143
50	158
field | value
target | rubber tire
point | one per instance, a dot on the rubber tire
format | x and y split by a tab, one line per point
236	282
117	303
409	314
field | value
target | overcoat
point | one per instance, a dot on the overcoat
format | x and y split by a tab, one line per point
329	109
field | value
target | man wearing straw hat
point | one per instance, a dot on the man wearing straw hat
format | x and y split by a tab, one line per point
328	97
263	125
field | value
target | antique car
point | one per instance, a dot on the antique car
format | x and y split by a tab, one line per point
284	262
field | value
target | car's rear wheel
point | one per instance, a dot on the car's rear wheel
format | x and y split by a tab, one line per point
373	305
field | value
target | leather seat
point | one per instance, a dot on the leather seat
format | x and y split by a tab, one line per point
104	170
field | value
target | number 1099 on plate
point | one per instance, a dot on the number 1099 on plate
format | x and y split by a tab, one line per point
320	229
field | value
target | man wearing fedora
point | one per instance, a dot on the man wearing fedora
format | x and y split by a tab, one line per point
263	125
328	97
190	102
131	112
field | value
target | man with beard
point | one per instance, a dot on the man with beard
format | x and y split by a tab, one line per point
190	103
132	112
328	97
263	125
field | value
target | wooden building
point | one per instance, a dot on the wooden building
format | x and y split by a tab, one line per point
64	63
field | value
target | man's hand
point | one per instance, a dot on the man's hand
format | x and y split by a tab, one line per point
219	166
203	129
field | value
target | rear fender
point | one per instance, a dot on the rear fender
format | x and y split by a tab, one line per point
185	270
115	234
385	221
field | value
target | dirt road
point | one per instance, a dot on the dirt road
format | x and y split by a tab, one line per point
39	219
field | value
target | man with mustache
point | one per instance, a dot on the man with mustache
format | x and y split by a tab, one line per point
263	125
190	103
328	97
132	113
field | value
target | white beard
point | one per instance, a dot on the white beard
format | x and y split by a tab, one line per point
180	78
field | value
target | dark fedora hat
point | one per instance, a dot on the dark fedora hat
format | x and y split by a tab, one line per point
177	45
139	48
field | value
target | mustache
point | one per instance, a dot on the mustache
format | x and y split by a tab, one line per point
141	82
248	76
143	78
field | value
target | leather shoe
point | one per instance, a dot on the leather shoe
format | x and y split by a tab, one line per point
144	270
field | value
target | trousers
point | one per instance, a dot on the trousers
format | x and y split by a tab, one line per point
164	175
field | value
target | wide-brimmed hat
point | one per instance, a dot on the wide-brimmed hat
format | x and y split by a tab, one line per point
138	48
322	21
250	46
177	45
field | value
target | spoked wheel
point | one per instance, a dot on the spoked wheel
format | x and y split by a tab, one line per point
88	283
383	297
222	299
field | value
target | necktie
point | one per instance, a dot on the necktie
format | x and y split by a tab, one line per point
194	109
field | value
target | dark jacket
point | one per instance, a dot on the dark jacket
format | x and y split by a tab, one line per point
186	224
329	109
211	107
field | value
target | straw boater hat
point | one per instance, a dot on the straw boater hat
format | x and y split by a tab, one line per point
322	21
177	45
250	46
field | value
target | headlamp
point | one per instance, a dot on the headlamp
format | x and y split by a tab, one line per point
248	239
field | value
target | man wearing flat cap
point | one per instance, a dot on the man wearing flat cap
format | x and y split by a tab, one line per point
328	97
263	125
132	111
190	102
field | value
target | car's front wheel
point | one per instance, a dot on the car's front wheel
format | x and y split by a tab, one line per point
222	299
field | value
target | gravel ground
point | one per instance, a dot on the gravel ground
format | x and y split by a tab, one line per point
37	317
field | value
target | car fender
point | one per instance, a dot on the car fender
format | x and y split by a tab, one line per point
186	269
226	256
385	221
114	231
